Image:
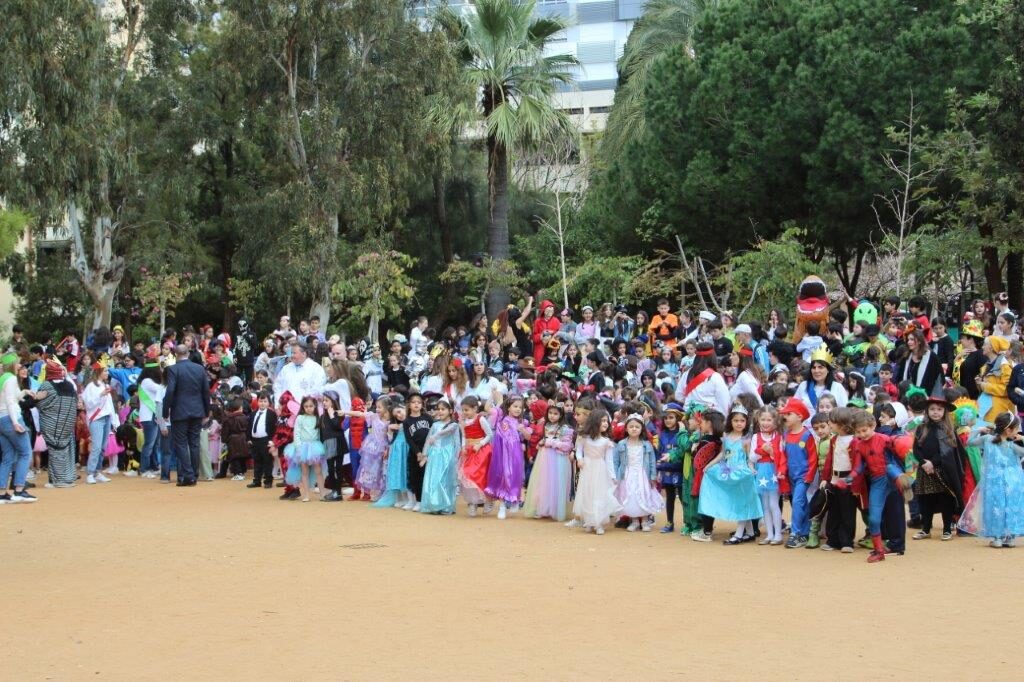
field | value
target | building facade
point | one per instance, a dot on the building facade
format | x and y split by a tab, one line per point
596	36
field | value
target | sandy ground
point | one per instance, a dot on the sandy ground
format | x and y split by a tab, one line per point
134	580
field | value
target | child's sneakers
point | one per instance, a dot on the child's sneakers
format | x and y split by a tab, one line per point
599	531
796	541
633	526
501	511
700	536
471	509
238	477
573	523
488	507
668	529
646	526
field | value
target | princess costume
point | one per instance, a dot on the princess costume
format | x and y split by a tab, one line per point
371	456
551	477
439	476
305	448
996	509
729	488
595	493
634	469
396	471
475	460
505	475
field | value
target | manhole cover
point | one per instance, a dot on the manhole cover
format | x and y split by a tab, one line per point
364	545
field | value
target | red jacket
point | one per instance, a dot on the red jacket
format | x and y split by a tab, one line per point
541	325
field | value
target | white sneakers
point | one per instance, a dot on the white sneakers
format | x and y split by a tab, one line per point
238	477
501	511
634	526
574	523
98	477
131	473
112	470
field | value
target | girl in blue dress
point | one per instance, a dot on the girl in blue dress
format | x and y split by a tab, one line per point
396	489
729	488
305	454
442	453
996	508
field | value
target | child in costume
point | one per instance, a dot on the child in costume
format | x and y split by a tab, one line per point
838	474
712	426
236	434
440	454
396	491
547	494
332	433
284	432
305	454
595	499
801	463
965	416
939	484
729	488
356	433
475	457
374	448
996	509
769	459
635	476
505	475
684	453
670	442
824	439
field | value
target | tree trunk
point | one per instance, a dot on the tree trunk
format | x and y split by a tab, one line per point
497	228
561	248
1015	279
321	305
450	296
990	259
99	272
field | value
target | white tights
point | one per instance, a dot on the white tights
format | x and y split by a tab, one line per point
772	515
744	529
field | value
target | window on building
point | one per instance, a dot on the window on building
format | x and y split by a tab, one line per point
573	111
600	110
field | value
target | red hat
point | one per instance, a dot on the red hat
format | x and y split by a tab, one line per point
545	304
96	367
796	406
54	370
153	352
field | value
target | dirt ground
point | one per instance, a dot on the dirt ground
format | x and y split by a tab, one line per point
134	580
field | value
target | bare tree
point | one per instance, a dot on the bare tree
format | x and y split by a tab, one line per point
902	203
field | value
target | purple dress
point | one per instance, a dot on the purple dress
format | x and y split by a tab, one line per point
371	463
505	474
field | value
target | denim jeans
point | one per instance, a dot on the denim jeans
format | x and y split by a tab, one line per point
99	431
16	453
152	447
801	520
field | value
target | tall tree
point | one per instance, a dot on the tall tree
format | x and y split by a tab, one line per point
502	49
71	71
340	89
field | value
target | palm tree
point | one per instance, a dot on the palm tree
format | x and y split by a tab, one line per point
501	50
664	25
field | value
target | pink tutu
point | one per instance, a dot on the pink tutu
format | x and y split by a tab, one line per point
113	447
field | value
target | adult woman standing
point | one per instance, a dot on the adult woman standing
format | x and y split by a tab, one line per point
57	401
702	384
546	323
749	378
921	367
483	385
15	445
822	380
99	413
154	461
994	378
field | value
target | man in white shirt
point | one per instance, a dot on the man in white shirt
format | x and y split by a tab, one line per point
301	376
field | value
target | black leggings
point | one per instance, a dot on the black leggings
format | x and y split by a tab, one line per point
708	523
333	481
937	503
414	476
670	503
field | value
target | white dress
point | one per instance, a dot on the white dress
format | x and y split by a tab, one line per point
595	492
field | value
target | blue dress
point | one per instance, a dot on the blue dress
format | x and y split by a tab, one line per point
996	508
439	476
396	472
729	489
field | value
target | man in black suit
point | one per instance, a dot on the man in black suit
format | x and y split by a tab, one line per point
187	404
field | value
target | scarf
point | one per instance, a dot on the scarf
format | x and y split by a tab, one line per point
922	367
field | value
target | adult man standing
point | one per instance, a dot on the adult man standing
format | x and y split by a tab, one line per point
301	376
187	404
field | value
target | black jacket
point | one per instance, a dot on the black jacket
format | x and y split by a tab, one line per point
188	392
271	425
933	377
943	348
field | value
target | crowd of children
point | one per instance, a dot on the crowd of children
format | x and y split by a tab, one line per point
609	429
